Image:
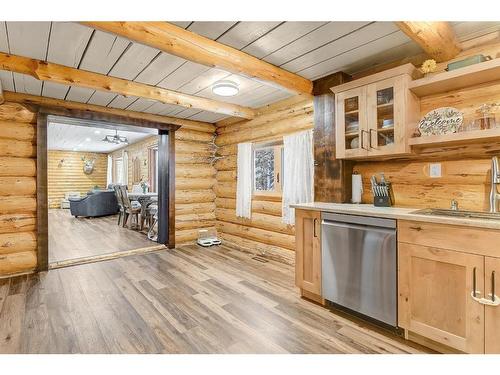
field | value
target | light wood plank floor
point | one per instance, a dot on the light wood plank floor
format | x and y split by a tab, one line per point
188	300
71	238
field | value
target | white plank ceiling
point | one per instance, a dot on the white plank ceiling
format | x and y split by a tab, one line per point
310	49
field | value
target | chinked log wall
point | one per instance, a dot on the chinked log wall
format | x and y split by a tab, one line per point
194	180
264	232
17	189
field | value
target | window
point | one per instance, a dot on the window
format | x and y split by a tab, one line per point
268	170
118	171
153	169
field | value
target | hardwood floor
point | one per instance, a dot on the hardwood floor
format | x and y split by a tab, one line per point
96	236
187	300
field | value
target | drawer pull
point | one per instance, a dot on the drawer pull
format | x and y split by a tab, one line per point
475	294
492	286
418	229
314	228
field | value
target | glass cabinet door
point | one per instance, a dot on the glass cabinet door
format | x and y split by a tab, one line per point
385	117
351	121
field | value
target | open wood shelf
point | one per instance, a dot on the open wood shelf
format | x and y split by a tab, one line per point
473	136
488	71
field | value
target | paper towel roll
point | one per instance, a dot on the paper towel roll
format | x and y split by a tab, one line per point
357	188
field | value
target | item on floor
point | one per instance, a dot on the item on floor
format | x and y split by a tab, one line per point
208	237
101	203
67	196
468	61
357	188
382	192
441	121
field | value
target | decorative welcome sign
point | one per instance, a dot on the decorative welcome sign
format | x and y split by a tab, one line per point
441	121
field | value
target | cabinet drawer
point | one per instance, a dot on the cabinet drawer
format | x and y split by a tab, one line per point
459	238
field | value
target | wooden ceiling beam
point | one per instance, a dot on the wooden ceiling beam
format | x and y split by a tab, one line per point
41	101
193	47
45	71
437	39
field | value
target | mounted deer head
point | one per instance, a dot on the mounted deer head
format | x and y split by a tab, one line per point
88	165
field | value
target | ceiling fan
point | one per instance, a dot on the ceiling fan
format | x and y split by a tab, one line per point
116	139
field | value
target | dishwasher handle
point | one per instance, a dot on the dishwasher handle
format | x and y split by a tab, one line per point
358	226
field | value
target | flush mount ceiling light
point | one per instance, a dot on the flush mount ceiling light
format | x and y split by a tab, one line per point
225	88
116	139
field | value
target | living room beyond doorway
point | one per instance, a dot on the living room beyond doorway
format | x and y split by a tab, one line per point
102	190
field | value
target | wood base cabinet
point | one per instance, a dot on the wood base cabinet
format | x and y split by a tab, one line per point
308	251
448	285
434	296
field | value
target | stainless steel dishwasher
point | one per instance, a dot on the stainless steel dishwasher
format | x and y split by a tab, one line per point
359	265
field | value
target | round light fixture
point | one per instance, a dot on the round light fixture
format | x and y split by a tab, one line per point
225	88
87	139
97	132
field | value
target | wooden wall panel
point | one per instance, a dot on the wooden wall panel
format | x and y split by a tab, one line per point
17	189
264	232
65	174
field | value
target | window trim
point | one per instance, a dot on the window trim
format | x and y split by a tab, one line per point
278	170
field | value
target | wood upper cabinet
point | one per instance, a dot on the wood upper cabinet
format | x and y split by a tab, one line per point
308	250
375	114
435	300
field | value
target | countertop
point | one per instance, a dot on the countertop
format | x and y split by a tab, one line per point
402	213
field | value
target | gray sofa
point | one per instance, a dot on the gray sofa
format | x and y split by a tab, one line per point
96	203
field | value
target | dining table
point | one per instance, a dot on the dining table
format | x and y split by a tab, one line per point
144	199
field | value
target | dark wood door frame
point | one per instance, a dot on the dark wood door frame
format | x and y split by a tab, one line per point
166	174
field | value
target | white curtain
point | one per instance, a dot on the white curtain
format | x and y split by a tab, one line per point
298	172
125	168
109	175
244	183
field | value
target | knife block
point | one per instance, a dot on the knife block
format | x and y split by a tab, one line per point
384	200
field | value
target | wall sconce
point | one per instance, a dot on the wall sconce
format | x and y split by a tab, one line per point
61	162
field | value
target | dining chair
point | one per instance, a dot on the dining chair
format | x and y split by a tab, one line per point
131	208
121	212
148	211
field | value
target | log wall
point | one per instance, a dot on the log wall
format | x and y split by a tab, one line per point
65	174
264	232
194	180
17	189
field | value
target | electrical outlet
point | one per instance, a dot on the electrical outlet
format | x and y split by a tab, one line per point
435	170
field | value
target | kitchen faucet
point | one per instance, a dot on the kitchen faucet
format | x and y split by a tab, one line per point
495	180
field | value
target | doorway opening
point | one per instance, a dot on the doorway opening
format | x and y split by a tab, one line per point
107	190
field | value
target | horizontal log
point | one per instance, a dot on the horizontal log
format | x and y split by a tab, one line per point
18	130
11	166
260	235
65	75
11	264
257	220
270	119
17	242
262	207
195	171
261	133
58	103
194	183
181	158
187	235
226	176
197	148
18	222
193	208
14	204
17	186
225	189
275	253
194	196
227	163
193	135
16	112
20	149
227	150
192	221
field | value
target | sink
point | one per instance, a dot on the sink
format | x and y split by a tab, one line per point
458	213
